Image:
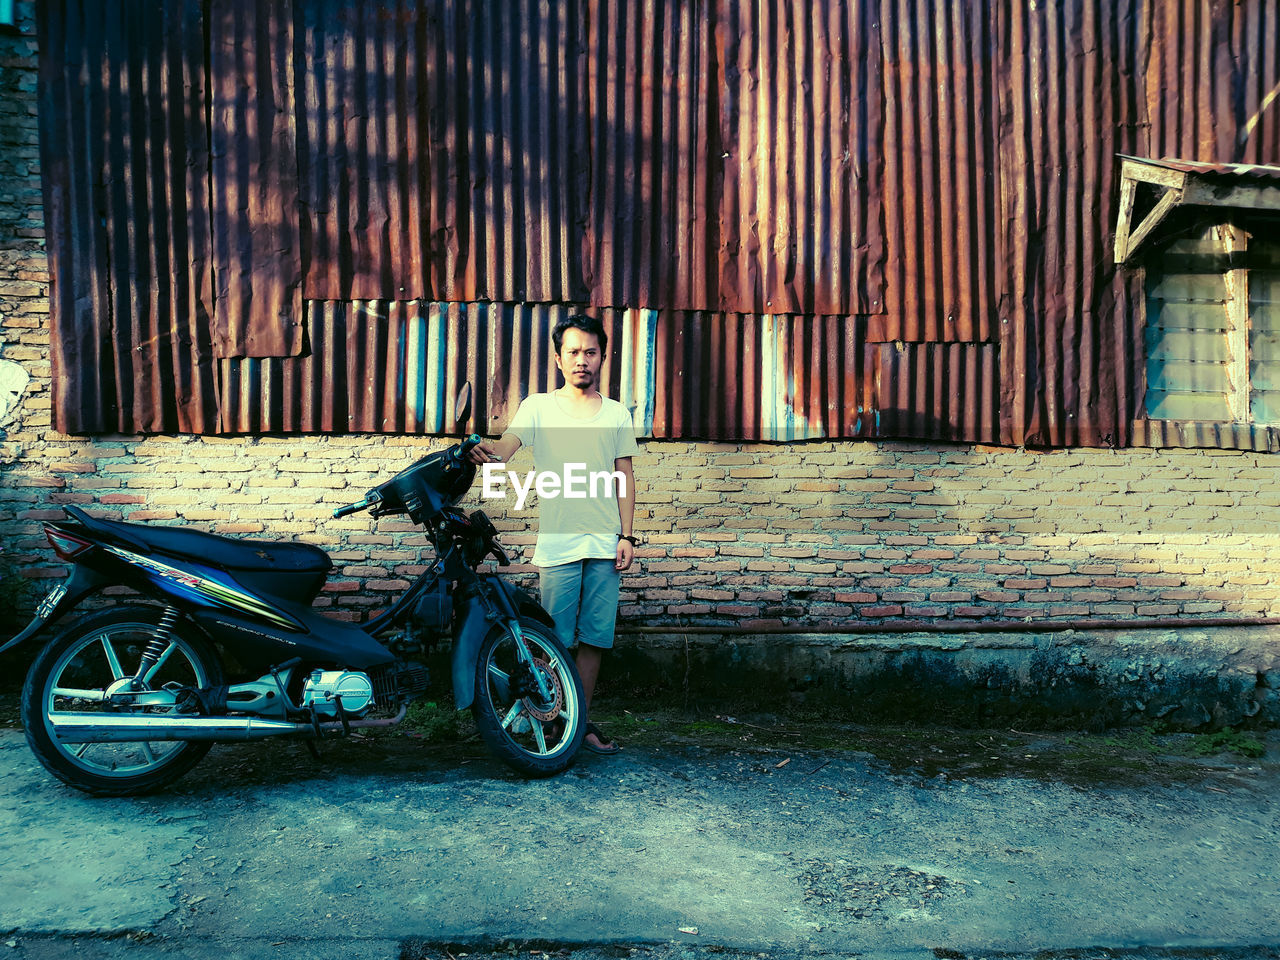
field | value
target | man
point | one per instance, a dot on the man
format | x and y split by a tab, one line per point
584	542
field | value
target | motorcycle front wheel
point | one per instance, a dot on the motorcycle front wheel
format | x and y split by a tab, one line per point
93	666
535	733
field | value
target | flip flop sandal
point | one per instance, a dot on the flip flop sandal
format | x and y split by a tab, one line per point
608	749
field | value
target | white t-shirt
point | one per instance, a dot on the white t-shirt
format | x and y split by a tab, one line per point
583	521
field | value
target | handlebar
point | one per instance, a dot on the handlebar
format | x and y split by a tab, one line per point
457	459
351	508
371	499
459	453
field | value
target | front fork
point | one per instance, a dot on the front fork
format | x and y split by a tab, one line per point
526	658
482	603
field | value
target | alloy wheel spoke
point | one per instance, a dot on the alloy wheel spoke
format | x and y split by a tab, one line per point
75	693
155	667
510	718
112	660
539	736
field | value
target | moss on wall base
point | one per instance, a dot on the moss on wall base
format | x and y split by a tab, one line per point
1179	680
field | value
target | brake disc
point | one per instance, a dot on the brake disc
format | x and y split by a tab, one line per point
553	685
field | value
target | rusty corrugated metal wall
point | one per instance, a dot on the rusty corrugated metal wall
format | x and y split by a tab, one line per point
839	218
254	184
125	161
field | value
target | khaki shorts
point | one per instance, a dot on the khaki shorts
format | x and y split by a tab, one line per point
582	598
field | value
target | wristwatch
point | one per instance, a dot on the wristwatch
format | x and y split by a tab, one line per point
635	542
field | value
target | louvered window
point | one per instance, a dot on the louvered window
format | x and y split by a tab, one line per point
1213	326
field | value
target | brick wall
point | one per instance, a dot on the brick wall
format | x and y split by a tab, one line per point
765	535
816	534
742	535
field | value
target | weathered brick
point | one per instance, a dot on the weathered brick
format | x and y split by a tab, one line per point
362	571
1048	569
140	516
738	550
1202	606
666	566
923	611
735	610
1012	583
908	568
887	610
42	573
765	566
932	554
383	585
666	595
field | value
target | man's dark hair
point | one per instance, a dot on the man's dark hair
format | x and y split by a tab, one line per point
579	321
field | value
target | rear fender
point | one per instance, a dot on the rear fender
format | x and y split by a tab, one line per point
61	600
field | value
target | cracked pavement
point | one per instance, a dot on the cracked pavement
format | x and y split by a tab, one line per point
385	843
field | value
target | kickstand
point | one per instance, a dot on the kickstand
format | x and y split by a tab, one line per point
315	751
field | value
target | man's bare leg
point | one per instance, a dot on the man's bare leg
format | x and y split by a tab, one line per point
588	660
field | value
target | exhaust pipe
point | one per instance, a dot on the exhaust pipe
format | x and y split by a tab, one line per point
123	728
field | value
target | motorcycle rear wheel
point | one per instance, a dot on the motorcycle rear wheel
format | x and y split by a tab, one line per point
73	673
537	737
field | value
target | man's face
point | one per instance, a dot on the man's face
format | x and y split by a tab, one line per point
580	359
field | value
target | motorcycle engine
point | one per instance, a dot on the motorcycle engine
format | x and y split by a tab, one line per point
323	687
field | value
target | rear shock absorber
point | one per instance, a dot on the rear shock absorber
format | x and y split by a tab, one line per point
158	645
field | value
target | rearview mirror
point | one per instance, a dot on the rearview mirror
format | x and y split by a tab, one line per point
462	404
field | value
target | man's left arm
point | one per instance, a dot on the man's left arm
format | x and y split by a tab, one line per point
626	511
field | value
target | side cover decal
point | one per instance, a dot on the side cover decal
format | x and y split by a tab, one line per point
212	590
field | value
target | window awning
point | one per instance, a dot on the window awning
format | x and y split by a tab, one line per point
1182	183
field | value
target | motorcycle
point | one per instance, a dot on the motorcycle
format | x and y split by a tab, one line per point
126	699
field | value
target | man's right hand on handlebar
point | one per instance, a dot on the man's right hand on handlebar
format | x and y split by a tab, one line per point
495	451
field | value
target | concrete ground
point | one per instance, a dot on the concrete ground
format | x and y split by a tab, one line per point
716	838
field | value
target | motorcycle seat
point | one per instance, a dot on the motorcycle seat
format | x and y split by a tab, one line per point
207	548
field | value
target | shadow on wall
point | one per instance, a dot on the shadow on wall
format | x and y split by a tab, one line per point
812	572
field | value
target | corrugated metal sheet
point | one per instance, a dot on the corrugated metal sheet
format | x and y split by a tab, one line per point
655	163
933	183
254	185
1210	81
381	366
1068	104
940	153
733	165
777	378
1226	436
616	153
442	149
125	160
395	367
1087	81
